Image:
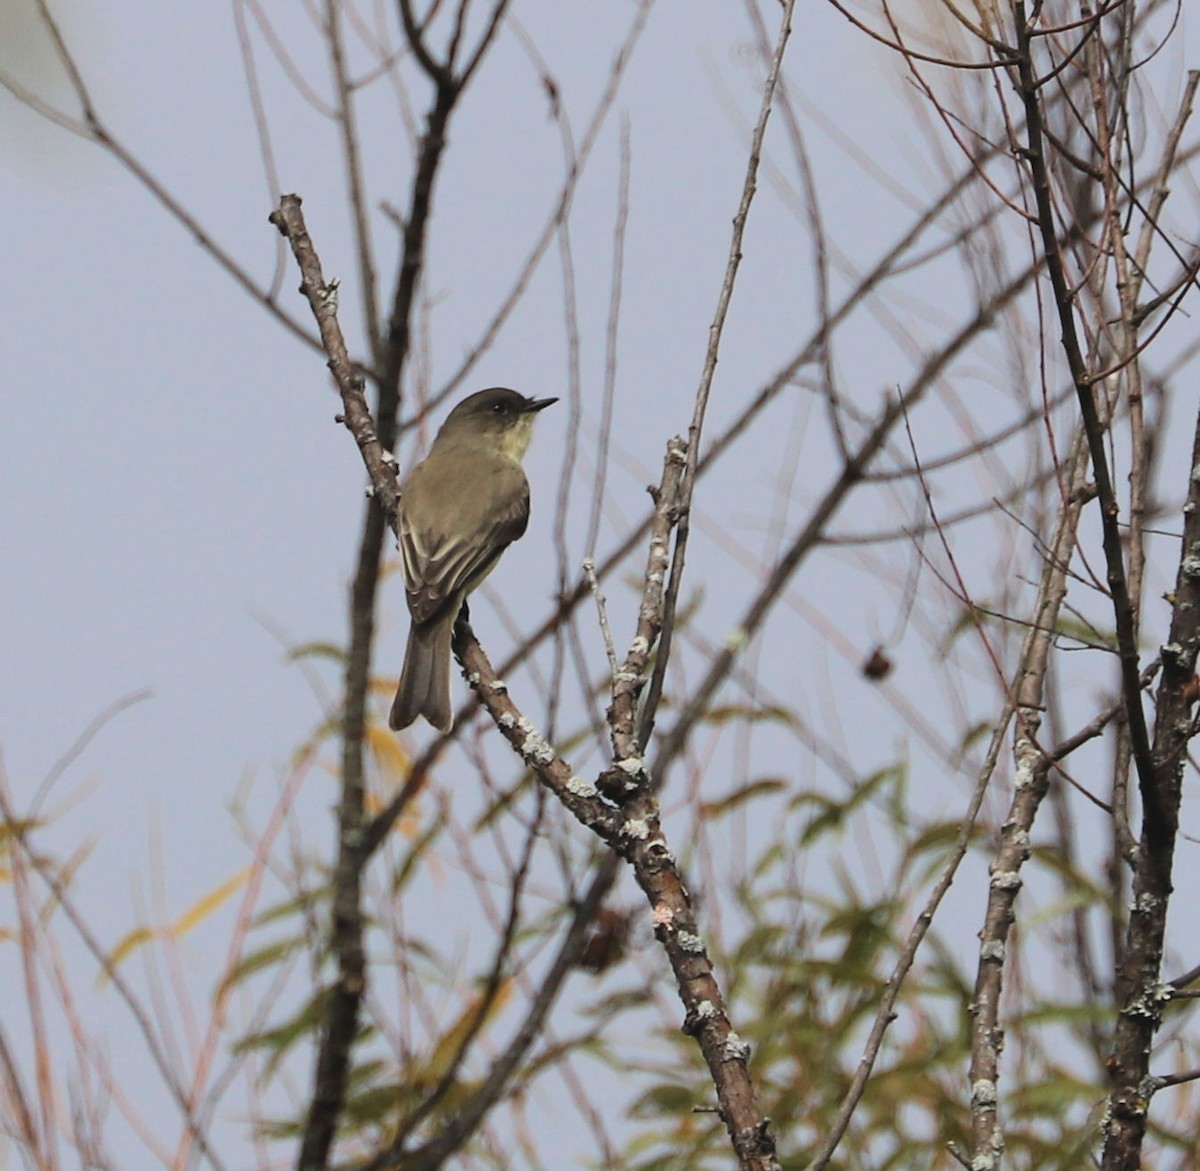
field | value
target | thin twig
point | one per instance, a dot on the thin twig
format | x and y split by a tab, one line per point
17	830
589	571
81	742
715	332
355	179
904	962
812	533
1123	611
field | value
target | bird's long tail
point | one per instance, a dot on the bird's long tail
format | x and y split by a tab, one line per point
424	688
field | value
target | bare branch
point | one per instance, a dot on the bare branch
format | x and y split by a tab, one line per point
1141	994
715	331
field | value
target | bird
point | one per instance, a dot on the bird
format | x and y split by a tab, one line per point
460	508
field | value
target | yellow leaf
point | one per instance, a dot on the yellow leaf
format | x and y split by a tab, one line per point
19	827
474	1018
389	753
211	901
133	940
65	875
383	686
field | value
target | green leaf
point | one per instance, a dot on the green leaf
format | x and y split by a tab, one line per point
277	1041
740	796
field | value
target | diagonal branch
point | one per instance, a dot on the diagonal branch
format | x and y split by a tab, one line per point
634	831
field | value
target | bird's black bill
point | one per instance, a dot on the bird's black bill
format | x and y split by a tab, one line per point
539	404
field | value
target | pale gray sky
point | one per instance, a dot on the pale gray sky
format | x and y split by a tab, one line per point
169	466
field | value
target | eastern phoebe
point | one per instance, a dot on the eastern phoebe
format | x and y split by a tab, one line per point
460	508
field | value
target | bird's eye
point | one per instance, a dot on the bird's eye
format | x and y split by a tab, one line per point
498	408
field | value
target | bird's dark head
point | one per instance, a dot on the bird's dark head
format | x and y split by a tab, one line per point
499	417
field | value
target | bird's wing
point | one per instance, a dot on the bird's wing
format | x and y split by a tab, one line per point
446	558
